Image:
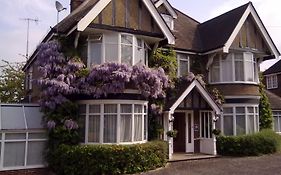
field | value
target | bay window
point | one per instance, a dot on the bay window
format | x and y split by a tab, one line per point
239	120
234	68
116	47
118	122
277	121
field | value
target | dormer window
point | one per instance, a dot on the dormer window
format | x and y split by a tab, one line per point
169	21
116	47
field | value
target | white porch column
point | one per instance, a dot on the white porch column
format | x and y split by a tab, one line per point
214	137
168	126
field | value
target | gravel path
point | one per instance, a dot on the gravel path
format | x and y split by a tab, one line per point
263	165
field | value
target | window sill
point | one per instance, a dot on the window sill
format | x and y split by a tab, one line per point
121	143
272	88
236	82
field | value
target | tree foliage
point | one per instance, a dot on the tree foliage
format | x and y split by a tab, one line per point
11	82
266	117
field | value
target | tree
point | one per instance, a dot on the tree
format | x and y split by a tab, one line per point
266	118
11	82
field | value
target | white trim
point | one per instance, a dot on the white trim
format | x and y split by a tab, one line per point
278	73
160	21
202	91
242	97
168	7
250	10
92	14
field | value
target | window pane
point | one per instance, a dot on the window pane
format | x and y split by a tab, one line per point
126	108
94	109
126	128
110	128
228	124
139	53
126	54
82	109
250	110
110	108
228	110
95	53
239	67
218	124
14	154
33	117
138	127
15	136
12	117
127	39
183	67
138	109
276	124
94	129
42	135
35	153
110	53
145	127
215	70
240	125
240	110
227	68
81	124
249	71
251	124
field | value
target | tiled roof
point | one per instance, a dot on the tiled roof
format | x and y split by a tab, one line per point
276	68
274	100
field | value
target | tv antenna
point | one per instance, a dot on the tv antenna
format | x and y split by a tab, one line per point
59	8
28	20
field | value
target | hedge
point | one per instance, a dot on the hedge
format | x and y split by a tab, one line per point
264	142
108	159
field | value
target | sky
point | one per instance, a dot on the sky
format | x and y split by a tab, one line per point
13	29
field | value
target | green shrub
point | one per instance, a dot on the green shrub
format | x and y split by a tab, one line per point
264	142
108	159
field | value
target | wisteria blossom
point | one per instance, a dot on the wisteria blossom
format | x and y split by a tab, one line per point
51	124
70	124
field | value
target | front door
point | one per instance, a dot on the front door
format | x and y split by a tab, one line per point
179	124
189	132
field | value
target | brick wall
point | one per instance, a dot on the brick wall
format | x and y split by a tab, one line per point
27	172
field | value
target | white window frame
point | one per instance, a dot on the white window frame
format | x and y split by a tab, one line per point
119	45
233	81
181	58
209	116
234	106
26	141
277	114
118	103
271	81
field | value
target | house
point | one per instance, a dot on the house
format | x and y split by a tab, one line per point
272	78
227	50
275	104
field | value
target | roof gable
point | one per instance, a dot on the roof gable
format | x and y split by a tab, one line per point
276	68
101	4
168	6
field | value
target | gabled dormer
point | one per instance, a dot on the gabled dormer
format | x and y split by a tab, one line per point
167	12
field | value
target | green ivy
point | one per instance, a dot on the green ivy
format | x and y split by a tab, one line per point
165	58
266	117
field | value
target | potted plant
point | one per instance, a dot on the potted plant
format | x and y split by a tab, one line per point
172	133
216	132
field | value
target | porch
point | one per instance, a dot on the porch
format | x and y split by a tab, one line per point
193	115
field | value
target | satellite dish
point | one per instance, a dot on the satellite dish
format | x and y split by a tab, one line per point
59	6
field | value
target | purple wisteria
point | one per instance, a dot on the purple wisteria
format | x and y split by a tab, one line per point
61	78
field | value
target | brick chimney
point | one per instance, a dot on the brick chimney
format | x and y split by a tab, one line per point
75	3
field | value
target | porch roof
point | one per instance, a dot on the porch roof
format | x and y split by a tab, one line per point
182	93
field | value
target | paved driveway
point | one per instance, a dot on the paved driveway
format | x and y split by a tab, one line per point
263	165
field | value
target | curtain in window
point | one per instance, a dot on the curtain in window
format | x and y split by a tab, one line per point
139	52
111	47
228	124
240	125
110	128
14	154
249	65
95	52
145	127
239	67
127	49
251	124
183	67
227	69
126	128
215	70
94	129
138	127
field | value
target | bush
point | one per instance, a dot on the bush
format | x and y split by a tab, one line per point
264	142
108	159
